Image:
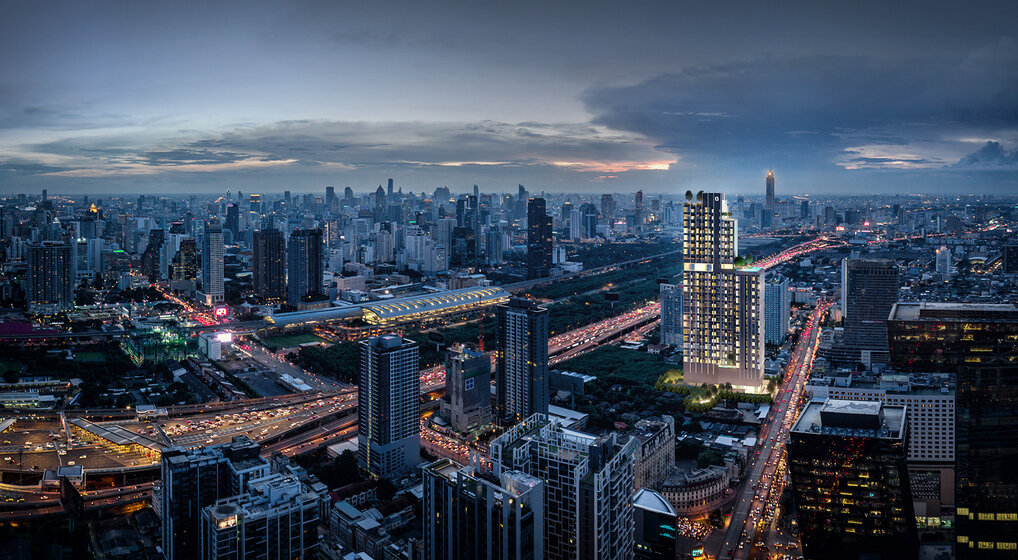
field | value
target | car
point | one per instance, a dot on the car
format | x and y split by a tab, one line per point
70	463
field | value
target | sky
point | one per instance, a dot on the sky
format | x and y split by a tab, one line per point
597	96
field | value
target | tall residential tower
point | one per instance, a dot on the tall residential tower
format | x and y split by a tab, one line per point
722	310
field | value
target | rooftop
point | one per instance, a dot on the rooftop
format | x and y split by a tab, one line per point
653	501
947	311
848	418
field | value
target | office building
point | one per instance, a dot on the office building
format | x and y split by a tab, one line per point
388	408
192	479
869	289
722	308
521	358
467	401
305	267
233	219
655	522
929	401
539	239
977	343
212	291
654	458
769	204
49	277
588	486
184	267
848	471
1009	256
275	519
269	265
671	314
471	513
777	307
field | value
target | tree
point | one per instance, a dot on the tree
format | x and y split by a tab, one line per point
709	457
346	466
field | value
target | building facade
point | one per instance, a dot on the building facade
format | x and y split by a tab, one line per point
269	265
305	267
521	358
388	407
656	522
671	314
979	343
475	514
848	471
777	308
869	289
722	309
276	519
49	277
212	290
539	239
467	401
588	486
192	479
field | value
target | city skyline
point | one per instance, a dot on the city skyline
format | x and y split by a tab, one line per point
300	96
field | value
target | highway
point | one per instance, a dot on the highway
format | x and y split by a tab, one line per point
755	496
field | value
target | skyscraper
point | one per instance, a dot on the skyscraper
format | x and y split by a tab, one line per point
588	486
977	343
671	314
777	306
192	479
769	204
276	519
848	471
388	407
49	277
869	289
539	239
474	514
722	307
521	357
185	262
269	265
212	291
233	219
305	267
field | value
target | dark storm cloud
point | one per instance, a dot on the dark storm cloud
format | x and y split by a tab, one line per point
816	107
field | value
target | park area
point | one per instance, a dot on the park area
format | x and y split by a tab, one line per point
291	340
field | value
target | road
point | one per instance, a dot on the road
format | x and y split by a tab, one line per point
281	366
755	495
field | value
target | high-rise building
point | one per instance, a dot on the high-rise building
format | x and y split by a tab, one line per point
588	218
467	401
233	219
722	308
212	291
769	204
977	343
847	467
539	239
588	486
656	525
255	203
192	479
269	265
150	258
943	265
607	206
330	197
474	514
276	519
49	277
1009	255
777	307
185	262
869	289
388	408
305	267
521	358
671	314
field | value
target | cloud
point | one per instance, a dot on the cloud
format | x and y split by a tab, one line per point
991	156
821	111
331	146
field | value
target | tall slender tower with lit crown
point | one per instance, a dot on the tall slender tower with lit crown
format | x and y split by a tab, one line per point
769	204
